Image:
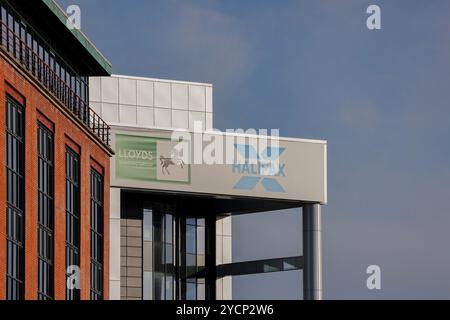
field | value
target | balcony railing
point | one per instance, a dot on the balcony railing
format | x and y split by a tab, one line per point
44	74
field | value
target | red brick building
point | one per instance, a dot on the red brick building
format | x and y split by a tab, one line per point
54	159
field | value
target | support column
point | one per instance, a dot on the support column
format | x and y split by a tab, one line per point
114	244
210	263
312	252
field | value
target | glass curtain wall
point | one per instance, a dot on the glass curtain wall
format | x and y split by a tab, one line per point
173	254
193	258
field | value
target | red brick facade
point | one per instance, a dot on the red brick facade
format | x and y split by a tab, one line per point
39	105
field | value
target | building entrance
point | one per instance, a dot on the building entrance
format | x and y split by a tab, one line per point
175	245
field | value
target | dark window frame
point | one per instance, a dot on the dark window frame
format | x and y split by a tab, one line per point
97	234
15	199
46	211
73	217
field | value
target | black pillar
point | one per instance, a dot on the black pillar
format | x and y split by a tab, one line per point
210	259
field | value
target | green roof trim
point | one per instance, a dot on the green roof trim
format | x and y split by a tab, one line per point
80	36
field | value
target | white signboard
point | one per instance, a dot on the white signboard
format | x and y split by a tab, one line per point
220	164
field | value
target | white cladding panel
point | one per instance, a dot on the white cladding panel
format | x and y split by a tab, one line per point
152	103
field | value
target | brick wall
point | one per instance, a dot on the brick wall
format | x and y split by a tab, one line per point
38	104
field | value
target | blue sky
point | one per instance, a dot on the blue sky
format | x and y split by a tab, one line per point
313	70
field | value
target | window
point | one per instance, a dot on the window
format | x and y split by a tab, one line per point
96	235
15	201
72	219
193	286
163	242
178	255
45	213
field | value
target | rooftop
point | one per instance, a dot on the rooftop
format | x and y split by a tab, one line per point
38	41
79	36
51	19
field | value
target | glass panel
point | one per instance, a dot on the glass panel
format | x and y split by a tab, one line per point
191	265
201	291
148	285
157	226
168	254
270	268
159	285
148	224
168	227
191	290
190	239
169	287
201	240
200	261
158	257
287	266
191	260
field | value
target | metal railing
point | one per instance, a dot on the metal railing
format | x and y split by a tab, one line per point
44	74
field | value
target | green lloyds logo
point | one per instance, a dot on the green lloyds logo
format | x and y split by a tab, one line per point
149	159
135	154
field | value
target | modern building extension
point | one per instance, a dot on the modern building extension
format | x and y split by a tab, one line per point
171	213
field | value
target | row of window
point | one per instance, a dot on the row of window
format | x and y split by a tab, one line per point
15	208
28	46
31	47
